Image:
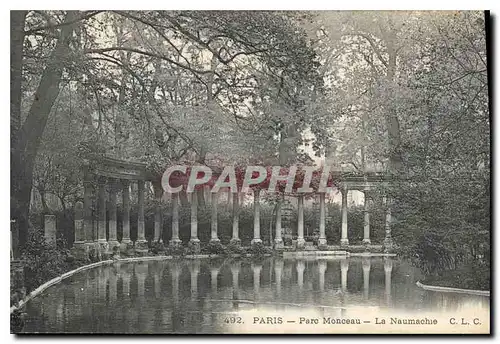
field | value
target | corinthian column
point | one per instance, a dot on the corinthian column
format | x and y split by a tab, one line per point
235	240
213	237
256	218
141	237
366	225
113	240
344	241
300	225
175	220
322	234
278	240
194	241
126	215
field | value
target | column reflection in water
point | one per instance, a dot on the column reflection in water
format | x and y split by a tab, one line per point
113	280
157	275
256	268
388	272
366	277
140	271
101	284
175	272
235	272
344	268
300	273
125	276
278	271
321	272
194	271
214	273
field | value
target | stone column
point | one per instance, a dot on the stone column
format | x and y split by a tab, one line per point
175	220
235	240
322	243
321	271
141	243
300	273
366	212
126	216
344	267
388	272
278	240
101	237
158	222
300	225
344	241
366	277
113	239
388	219
87	212
213	224
50	229
194	242
256	217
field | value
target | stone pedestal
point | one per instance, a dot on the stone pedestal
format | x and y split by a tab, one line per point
50	229
194	245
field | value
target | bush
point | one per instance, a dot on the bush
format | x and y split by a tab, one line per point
43	261
259	249
214	248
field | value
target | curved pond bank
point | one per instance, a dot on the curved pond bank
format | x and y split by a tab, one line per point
206	295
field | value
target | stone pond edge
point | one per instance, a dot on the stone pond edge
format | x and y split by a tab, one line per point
70	273
453	290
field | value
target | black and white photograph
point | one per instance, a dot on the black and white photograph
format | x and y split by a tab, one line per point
250	171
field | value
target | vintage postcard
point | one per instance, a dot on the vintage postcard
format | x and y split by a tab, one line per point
243	172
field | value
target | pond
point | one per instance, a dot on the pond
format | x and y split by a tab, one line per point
242	296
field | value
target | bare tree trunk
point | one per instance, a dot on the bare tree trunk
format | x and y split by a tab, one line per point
28	135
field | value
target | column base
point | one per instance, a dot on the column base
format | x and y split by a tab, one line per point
388	244
141	247
278	244
194	245
367	242
113	244
235	242
301	243
322	243
214	241
126	246
256	241
344	242
175	242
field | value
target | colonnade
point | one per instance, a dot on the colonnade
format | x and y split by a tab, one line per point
89	231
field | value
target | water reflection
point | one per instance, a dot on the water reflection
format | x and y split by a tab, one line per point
198	296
